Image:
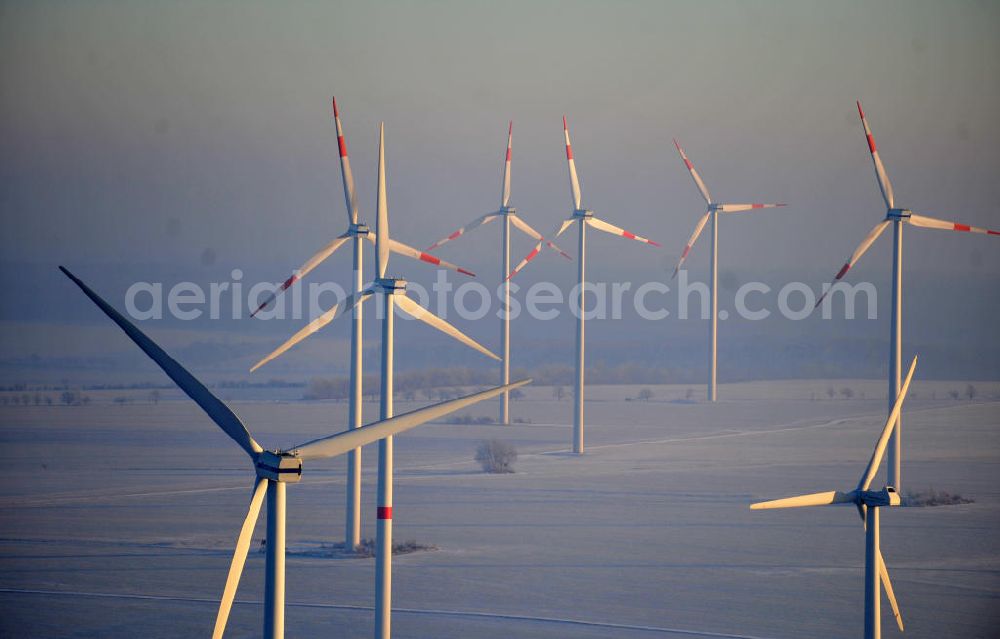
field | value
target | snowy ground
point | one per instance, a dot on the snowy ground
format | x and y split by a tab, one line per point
118	521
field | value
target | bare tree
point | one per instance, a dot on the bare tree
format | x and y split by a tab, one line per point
970	392
496	456
559	392
645	394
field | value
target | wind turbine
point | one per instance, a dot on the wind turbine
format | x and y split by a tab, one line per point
713	210
868	503
273	468
896	216
509	216
393	294
358	231
584	218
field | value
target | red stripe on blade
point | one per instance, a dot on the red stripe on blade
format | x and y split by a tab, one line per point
961	227
756	206
688	164
289	282
843	271
385	512
427	257
455	234
871	142
508	154
569	152
630	236
465	272
343	146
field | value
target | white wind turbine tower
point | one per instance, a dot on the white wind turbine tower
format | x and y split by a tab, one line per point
508	215
393	294
358	231
273	468
585	218
896	216
868	503
714	208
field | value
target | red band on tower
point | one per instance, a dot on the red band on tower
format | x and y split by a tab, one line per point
385	512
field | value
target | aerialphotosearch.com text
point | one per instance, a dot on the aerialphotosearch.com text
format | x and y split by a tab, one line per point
471	300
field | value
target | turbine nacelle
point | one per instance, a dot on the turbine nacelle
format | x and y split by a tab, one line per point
898	214
878	498
584	213
390	285
507	210
359	229
279	466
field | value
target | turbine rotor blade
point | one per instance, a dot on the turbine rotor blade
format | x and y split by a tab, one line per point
505	187
538	247
694	238
869	475
336	311
382	206
814	499
476	223
214	407
531	232
239	558
415	310
607	227
858	252
310	264
694	174
345	170
944	225
736	208
883	572
349	440
883	178
574	182
403	249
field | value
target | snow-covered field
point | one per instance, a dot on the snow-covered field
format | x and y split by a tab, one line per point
118	521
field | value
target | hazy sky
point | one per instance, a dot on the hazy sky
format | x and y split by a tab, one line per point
200	134
118	118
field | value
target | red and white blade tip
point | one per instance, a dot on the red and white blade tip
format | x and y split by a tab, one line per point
861	111
336	111
510	127
565	126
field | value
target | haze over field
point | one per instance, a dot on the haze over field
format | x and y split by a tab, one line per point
180	142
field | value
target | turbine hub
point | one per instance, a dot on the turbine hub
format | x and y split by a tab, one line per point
359	229
899	214
279	466
507	210
713	206
391	285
